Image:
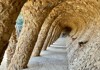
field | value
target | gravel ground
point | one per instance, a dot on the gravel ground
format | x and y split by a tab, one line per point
54	58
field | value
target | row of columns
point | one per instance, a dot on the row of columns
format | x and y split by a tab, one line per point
30	31
42	26
7	21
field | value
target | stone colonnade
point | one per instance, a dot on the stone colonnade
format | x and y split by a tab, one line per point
44	20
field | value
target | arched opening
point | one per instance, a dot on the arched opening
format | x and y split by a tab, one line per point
50	23
66	31
19	24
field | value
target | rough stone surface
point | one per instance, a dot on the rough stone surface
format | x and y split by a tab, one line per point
82	16
11	47
38	11
9	10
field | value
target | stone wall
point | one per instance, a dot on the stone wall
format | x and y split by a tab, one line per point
44	17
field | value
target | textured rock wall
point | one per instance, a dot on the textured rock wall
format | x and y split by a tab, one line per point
40	16
85	56
34	13
83	18
11	47
49	35
9	10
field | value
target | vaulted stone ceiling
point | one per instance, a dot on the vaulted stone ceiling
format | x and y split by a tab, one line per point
47	18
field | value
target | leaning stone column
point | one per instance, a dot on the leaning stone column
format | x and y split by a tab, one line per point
48	37
42	37
34	16
56	35
11	47
53	26
58	10
55	31
9	10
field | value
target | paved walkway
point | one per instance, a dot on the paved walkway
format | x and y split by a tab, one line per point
54	58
